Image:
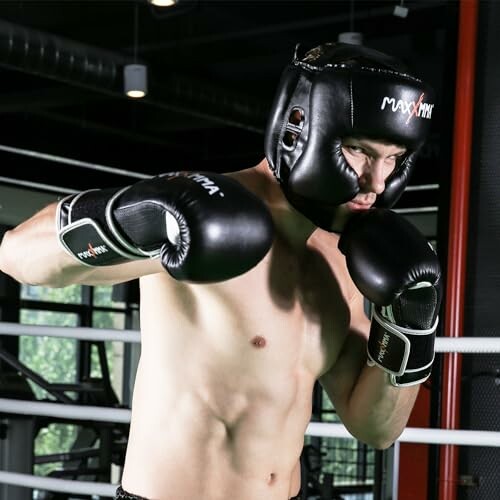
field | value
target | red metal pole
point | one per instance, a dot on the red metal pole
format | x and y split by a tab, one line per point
457	239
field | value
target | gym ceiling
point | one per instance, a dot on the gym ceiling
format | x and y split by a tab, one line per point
212	70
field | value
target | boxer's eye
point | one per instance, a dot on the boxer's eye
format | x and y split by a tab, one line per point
395	159
356	150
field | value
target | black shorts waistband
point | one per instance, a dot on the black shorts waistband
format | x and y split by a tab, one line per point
121	494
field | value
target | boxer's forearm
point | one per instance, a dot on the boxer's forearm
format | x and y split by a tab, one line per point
32	254
377	411
373	410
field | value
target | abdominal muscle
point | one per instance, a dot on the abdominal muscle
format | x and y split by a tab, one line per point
222	396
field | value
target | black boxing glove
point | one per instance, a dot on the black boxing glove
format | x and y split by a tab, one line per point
397	270
205	227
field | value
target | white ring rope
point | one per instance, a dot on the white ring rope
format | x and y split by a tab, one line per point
74	412
468	345
416	210
443	344
117	415
416	435
422	187
409	435
122	415
71	161
62	485
37	185
80	333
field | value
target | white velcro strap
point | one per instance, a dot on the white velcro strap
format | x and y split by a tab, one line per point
59	209
400	329
128	247
387	347
407	379
85	241
390	345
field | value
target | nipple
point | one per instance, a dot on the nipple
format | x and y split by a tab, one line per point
258	341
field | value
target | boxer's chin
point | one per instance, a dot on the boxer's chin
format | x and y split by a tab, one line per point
354	206
343	213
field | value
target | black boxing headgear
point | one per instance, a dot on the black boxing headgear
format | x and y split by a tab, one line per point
341	90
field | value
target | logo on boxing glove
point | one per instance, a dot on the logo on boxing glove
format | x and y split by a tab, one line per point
92	251
206	183
383	347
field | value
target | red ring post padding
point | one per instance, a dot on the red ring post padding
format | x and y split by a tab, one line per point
457	239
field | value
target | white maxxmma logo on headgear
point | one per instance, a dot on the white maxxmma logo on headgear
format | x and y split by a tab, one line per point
420	108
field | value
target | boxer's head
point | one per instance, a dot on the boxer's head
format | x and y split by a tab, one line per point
338	92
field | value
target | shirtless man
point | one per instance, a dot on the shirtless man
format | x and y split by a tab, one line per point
246	299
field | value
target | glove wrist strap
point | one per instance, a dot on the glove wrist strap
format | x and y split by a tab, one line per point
86	240
126	246
406	354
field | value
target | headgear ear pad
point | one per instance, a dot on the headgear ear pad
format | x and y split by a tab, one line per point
319	104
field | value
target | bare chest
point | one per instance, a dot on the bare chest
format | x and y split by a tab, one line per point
245	351
286	314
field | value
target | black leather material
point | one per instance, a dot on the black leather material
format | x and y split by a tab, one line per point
386	255
221	229
338	100
393	265
397	181
224	229
83	231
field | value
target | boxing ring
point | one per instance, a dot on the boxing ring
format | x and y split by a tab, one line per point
460	437
449	435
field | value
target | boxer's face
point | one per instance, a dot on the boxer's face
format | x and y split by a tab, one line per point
373	161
